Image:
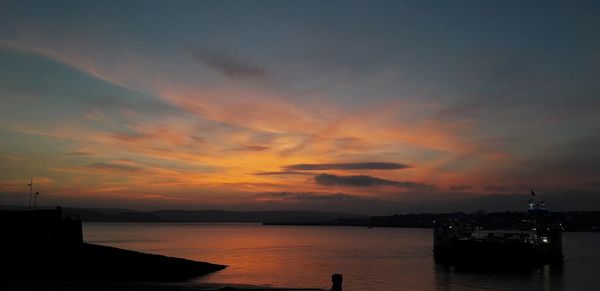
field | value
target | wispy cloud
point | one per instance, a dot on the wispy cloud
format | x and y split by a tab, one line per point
505	188
164	197
364	181
461	187
79	153
283	173
272	116
228	65
253	148
11	158
113	167
347	166
308	197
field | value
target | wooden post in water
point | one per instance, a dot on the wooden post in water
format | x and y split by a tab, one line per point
336	279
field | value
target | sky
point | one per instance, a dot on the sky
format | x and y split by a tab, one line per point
372	107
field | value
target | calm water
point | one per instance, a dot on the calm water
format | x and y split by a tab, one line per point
369	258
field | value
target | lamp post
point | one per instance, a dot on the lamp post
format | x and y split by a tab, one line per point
35	203
30	191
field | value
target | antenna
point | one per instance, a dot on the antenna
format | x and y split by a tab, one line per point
30	191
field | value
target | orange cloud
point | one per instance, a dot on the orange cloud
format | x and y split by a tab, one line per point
228	132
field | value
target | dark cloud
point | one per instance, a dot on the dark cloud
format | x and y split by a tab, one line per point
281	173
310	196
347	166
130	137
505	188
253	148
461	187
227	65
499	188
111	166
575	159
79	153
364	181
591	185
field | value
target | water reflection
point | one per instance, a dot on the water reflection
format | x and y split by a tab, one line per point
504	277
369	258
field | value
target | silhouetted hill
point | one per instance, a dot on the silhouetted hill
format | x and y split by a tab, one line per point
249	216
109	215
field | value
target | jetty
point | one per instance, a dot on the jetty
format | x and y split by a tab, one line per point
43	249
47	245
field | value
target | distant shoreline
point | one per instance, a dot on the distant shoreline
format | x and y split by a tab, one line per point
575	221
586	221
572	221
277	224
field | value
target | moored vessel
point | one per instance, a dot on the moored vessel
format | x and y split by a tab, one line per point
532	241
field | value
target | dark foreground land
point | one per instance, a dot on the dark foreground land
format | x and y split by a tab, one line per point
134	286
89	262
44	250
47	246
94	267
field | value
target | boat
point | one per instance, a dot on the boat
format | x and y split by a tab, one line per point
535	240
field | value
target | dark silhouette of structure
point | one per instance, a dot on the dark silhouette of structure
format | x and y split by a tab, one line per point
47	245
534	240
40	227
336	280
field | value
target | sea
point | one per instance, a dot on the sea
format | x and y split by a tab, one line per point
368	258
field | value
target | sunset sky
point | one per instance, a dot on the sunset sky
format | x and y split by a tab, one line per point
358	106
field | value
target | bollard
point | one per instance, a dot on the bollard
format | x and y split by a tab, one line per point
336	279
